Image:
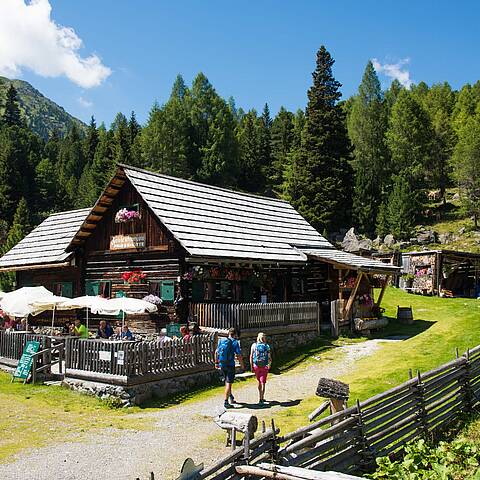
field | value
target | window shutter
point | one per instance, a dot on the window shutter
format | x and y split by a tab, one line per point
92	287
167	291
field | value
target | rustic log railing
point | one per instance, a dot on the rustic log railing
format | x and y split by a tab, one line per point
12	343
136	362
254	315
350	440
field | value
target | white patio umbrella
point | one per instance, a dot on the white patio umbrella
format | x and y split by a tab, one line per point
17	303
89	302
47	303
125	305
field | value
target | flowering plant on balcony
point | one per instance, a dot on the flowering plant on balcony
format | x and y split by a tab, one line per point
124	215
133	277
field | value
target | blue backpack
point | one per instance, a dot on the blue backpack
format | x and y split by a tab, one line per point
225	353
260	355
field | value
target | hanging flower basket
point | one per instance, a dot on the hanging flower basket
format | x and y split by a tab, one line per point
124	215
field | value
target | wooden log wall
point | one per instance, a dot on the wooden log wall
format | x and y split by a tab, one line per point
254	315
138	361
351	440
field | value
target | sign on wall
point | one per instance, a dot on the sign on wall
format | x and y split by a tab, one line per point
125	242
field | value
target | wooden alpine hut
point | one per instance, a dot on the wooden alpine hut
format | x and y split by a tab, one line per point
217	256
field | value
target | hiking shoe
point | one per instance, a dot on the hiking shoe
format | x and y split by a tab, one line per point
226	404
232	398
261	402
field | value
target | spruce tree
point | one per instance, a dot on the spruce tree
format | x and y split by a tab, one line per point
21	226
250	176
466	161
265	149
367	124
282	137
321	183
11	115
133	128
90	142
401	208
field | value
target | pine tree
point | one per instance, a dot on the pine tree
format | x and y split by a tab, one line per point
133	128
121	135
167	139
409	138
250	176
265	149
21	226
466	161
282	138
215	153
11	115
401	208
367	124
90	142
320	185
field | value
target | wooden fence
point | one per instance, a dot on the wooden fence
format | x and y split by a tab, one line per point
254	315
137	362
12	343
350	440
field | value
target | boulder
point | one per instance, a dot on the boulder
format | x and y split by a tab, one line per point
428	236
377	242
445	238
350	242
365	244
389	240
456	197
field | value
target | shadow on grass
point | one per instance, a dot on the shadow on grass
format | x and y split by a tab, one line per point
400	331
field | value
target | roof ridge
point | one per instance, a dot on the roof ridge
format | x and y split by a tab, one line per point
192	182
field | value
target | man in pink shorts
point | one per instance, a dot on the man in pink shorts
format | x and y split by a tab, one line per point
260	361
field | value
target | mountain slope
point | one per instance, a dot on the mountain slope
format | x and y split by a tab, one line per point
42	115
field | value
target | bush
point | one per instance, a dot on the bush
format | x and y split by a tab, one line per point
454	460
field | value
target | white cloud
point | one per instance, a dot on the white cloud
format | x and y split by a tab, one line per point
395	71
85	103
30	39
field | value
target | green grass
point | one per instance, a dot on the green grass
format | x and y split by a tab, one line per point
34	415
441	325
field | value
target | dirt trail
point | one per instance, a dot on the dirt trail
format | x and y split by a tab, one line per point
177	432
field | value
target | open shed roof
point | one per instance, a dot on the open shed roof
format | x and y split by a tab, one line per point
350	261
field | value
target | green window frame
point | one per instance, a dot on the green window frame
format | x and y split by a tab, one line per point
63	289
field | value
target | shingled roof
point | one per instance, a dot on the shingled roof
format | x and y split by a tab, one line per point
214	222
47	243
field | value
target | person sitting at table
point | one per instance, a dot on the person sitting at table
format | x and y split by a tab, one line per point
104	330
126	333
163	337
80	330
9	323
185	334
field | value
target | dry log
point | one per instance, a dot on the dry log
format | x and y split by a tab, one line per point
318	411
307	474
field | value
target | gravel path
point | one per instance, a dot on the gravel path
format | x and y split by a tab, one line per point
185	430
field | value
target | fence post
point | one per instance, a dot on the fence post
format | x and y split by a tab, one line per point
367	457
467	385
419	389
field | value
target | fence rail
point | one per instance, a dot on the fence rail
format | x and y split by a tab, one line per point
350	440
135	360
12	343
254	315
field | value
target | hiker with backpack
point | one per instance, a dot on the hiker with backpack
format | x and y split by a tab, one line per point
228	349
260	361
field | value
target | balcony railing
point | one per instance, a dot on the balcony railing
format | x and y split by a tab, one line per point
254	315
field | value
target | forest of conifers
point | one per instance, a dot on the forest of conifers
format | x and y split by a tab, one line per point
367	161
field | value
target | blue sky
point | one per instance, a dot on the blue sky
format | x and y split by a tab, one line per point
257	52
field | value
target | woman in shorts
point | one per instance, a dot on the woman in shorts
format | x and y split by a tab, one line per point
260	361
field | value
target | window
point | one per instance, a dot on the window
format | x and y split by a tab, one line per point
98	287
63	289
197	291
297	285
